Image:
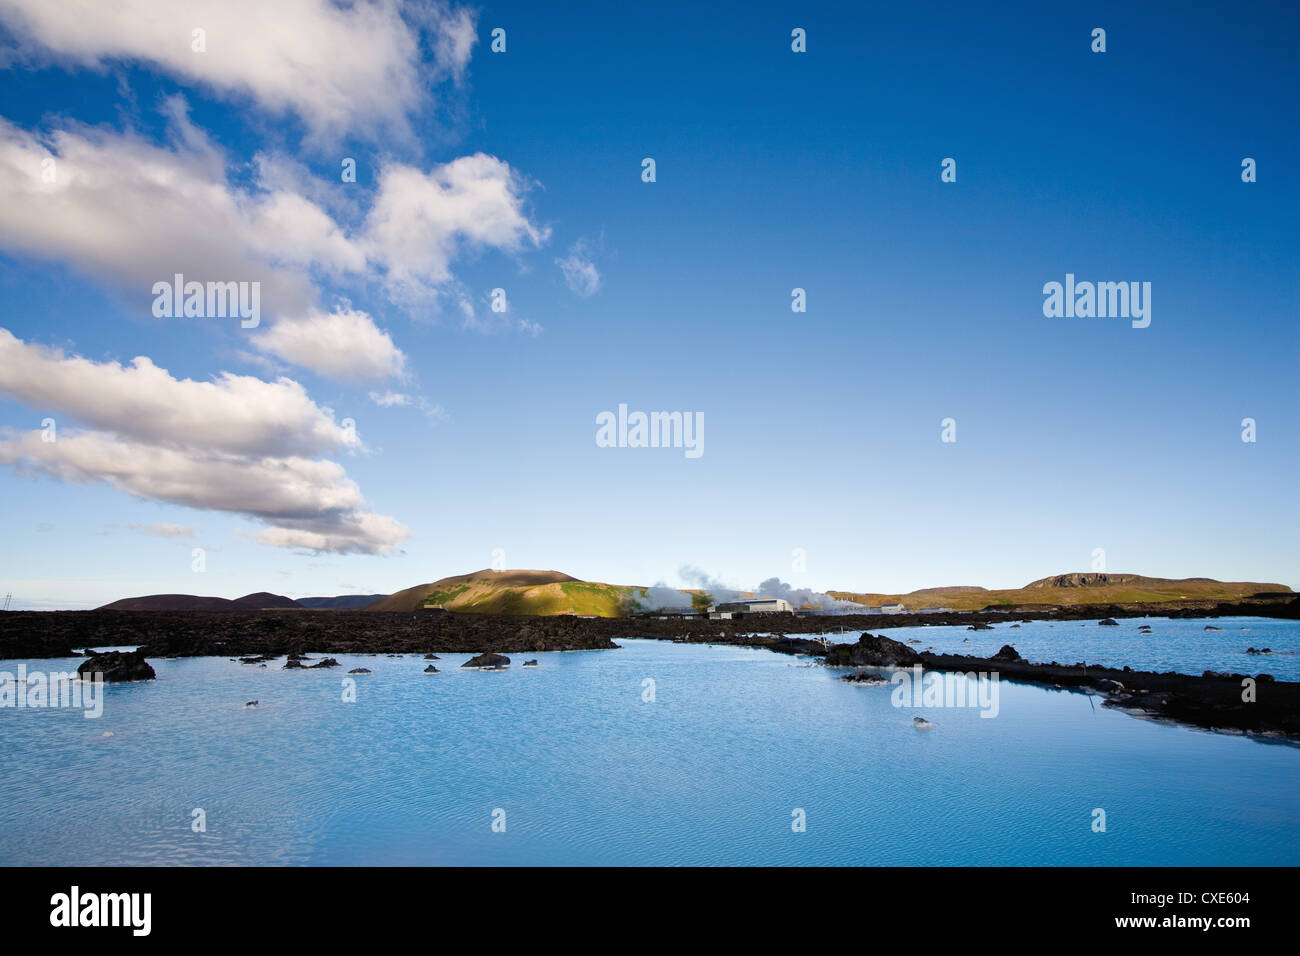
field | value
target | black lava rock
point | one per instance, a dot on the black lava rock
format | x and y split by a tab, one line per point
871	651
117	666
488	661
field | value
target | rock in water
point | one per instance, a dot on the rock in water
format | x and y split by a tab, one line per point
1107	622
117	666
251	703
1008	653
1211	627
432	657
530	663
359	670
871	651
488	662
866	678
920	723
431	670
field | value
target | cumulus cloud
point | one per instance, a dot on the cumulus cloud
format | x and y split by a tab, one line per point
355	67
237	445
580	273
237	414
131	214
420	220
344	345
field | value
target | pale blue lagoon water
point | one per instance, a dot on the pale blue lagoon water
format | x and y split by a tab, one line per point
589	773
1174	644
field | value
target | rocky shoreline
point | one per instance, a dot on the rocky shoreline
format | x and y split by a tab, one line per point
1213	701
33	634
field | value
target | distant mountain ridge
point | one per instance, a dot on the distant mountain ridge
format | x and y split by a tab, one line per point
259	601
542	593
1077	587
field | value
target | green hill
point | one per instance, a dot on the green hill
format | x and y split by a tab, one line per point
515	592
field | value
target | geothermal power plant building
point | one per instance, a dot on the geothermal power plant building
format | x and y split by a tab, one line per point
756	606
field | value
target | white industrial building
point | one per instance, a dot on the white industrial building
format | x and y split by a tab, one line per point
753	606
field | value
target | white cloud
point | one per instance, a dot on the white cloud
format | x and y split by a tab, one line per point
238	414
130	214
354	68
365	533
420	221
580	273
435	413
390	399
344	345
237	444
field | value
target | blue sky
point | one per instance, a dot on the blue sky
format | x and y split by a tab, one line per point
774	170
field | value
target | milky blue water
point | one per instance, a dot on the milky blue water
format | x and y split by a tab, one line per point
587	771
1174	644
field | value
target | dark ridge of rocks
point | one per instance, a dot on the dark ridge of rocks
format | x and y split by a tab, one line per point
117	666
268	635
1108	622
359	670
871	651
980	626
45	634
1212	700
486	661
